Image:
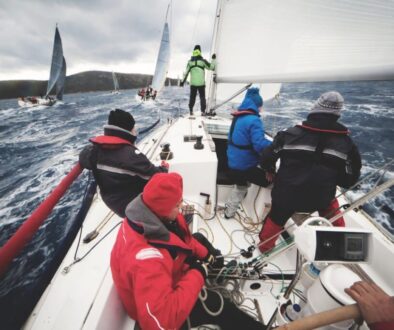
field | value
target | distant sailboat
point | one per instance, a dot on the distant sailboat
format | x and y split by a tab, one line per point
116	84
56	80
162	63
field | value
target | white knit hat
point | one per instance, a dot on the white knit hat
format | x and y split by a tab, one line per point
329	102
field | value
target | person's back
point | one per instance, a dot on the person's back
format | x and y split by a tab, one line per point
313	162
246	136
120	169
315	157
245	141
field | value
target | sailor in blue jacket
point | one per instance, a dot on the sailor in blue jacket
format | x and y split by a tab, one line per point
245	142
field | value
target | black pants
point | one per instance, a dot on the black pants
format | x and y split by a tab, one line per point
193	94
231	317
254	175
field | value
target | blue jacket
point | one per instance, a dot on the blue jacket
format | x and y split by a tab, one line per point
247	139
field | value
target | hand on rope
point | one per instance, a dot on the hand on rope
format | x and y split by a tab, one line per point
214	257
165	164
196	264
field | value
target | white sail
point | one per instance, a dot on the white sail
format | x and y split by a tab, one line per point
60	82
58	69
314	41
163	60
299	41
116	84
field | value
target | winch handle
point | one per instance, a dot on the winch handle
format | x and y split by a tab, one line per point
324	318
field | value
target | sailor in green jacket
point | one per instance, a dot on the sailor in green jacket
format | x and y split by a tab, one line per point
196	67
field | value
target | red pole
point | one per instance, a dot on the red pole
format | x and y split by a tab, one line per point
26	231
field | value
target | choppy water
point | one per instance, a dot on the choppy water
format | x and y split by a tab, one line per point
40	145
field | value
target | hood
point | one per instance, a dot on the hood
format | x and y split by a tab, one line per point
139	213
248	104
196	53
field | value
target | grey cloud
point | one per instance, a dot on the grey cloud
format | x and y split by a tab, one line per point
98	32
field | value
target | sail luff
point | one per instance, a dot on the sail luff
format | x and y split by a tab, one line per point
56	64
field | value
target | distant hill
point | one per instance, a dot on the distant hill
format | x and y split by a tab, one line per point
88	81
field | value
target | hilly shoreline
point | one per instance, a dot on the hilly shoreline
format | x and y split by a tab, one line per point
88	81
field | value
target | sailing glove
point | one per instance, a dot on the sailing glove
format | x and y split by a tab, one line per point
214	256
201	267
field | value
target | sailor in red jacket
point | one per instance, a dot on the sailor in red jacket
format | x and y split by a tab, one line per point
156	286
157	265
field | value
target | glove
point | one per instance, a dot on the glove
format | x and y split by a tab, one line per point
213	56
214	256
181	84
165	164
201	267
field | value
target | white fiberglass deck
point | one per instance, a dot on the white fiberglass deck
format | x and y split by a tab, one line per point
85	298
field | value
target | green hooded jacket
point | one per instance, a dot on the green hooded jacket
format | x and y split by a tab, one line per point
196	67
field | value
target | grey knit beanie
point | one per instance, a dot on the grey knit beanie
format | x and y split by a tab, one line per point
329	102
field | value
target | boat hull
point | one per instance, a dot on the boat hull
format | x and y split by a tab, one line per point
34	102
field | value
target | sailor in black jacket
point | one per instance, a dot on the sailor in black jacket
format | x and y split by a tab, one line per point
315	157
120	169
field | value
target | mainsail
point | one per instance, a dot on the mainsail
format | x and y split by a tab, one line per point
163	59
58	67
301	41
60	81
116	84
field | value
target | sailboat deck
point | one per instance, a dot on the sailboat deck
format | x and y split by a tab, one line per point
85	297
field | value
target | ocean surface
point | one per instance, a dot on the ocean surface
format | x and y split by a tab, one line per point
40	145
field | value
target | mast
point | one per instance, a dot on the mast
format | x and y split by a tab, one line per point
212	84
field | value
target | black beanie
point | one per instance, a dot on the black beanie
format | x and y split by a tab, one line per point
197	47
121	119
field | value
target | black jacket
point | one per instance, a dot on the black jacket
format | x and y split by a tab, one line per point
120	169
315	157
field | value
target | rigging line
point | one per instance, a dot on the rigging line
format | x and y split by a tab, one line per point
67	268
192	40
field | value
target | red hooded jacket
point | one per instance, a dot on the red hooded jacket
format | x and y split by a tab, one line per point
148	266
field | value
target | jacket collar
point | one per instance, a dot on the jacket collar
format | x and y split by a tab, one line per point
324	123
145	222
112	130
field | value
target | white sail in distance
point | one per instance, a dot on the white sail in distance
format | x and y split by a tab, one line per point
163	59
115	80
58	67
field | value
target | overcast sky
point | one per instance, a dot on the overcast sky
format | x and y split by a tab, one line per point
109	35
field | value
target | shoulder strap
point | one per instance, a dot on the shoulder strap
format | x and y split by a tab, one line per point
230	138
195	65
